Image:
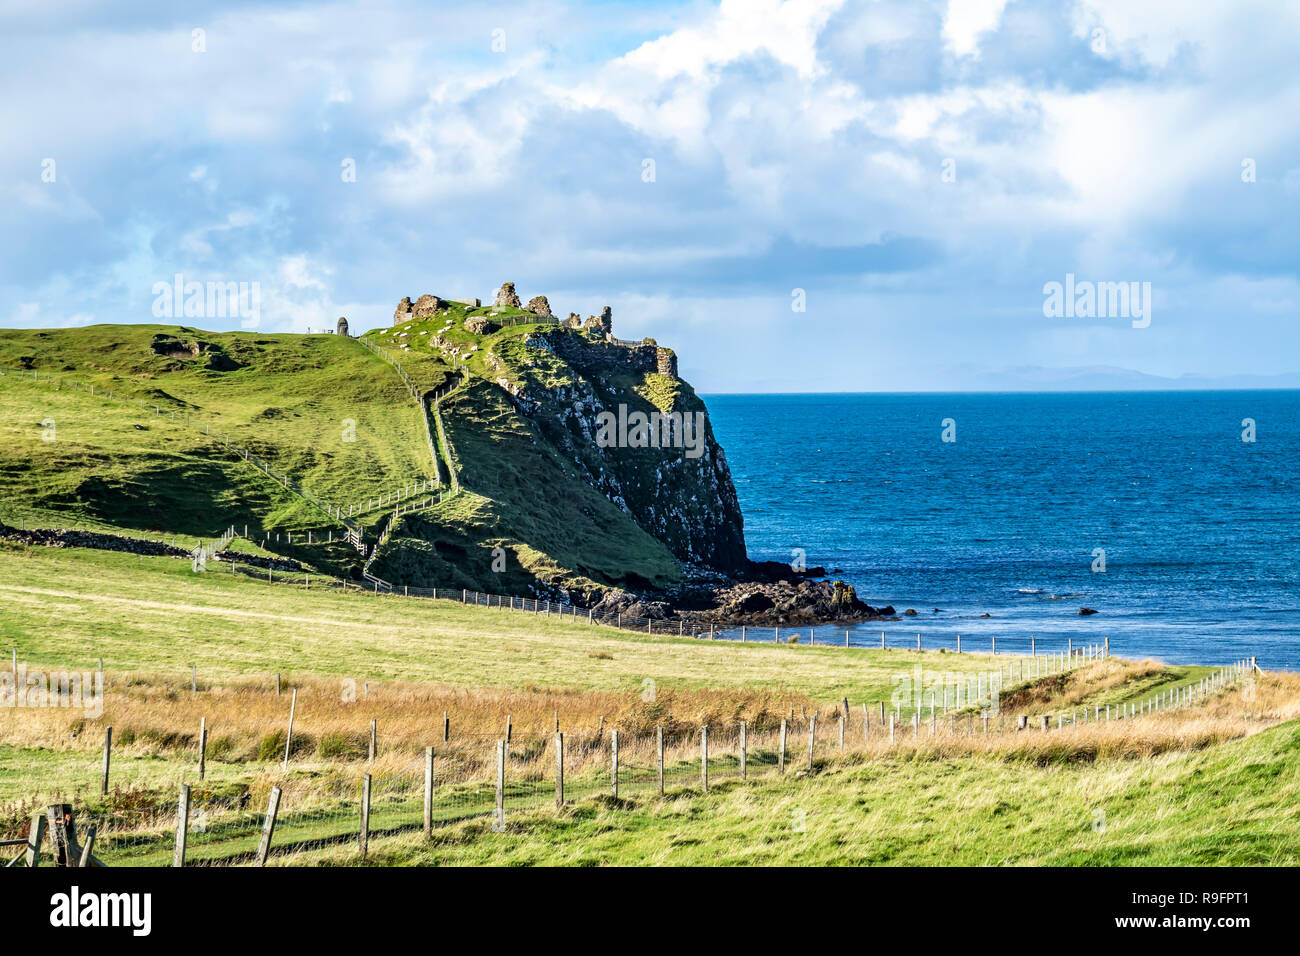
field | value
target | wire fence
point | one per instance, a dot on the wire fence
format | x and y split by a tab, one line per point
496	778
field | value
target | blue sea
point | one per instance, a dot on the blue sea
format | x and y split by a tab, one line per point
1200	529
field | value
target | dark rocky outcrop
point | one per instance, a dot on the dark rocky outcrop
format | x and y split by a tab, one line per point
213	354
790	601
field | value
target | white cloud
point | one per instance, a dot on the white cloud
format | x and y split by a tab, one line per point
966	21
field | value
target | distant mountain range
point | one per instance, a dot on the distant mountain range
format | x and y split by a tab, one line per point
1029	378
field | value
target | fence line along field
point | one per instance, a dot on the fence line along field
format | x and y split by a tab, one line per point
310	797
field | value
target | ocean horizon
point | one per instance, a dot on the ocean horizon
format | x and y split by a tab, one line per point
1149	506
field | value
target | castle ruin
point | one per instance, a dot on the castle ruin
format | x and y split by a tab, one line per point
644	356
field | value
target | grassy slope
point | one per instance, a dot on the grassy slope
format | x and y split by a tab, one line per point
530	501
1236	804
290	402
103	473
165	617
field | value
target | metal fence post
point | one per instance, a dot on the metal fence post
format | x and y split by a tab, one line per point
743	752
780	754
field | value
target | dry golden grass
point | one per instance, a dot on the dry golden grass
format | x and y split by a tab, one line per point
153	717
156	715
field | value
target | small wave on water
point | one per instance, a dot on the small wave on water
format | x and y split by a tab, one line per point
1189	576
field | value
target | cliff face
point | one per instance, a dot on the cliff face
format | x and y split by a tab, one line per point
586	459
672	480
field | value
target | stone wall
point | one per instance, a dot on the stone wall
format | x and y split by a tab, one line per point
583	353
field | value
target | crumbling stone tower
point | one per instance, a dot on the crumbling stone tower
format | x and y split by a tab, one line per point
603	323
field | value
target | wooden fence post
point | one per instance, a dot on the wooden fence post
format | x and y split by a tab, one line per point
182	825
34	837
268	826
780	754
288	738
704	757
203	746
743	753
428	792
659	745
501	782
446	727
88	850
559	770
364	834
841	731
613	764
374	729
812	734
108	756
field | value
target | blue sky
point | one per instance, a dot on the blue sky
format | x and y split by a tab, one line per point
796	145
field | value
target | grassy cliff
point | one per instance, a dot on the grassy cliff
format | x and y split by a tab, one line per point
541	509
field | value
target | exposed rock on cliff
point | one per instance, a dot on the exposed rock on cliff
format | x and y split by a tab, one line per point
681	494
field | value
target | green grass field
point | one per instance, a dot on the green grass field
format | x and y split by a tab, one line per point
1234	805
164	617
1227	803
